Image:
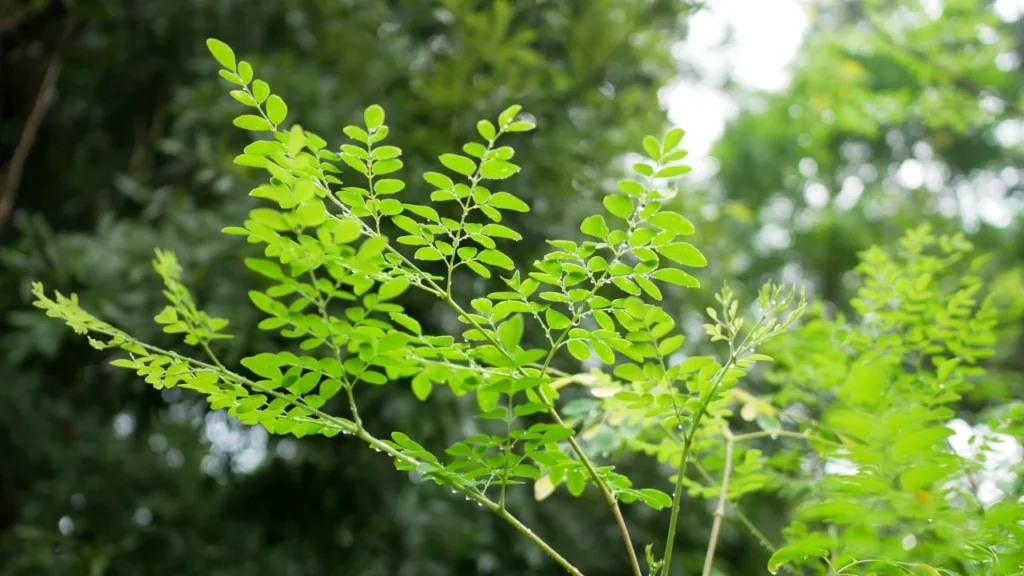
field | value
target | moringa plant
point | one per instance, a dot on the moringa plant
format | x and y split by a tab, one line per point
341	251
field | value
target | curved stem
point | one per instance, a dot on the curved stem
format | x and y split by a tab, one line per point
740	515
716	525
677	496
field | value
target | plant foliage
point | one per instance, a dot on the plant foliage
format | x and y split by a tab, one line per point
343	252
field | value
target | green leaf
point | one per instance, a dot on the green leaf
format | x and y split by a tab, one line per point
655	498
230	77
458	163
266	365
388	186
521	126
499	231
496	258
373	117
421	386
312	214
683	253
167	316
243	97
328	388
910	443
497	169
946	368
643	169
487	399
277	110
630	373
356	133
619	206
375	378
406	322
486	129
672	171
864	383
632	188
670	345
788	554
245	72
556	434
392	289
260	91
675	276
428	253
222	52
603	351
480	269
652	147
510	332
578	349
264	267
626	285
252	122
594	226
506	201
694	363
509	114
672	222
673	138
556	320
440	180
386	152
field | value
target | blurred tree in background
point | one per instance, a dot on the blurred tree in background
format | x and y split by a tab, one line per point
112	143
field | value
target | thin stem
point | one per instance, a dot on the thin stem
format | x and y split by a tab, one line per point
507	448
321	305
716	524
740	515
609	498
786	433
677	496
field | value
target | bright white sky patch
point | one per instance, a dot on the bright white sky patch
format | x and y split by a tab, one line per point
766	37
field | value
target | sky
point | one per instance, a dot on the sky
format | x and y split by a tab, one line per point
766	38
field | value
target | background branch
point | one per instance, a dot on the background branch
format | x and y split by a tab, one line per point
16	166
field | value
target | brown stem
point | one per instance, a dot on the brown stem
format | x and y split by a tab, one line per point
716	525
9	192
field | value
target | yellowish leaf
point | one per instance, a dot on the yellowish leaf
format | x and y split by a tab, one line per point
543	488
